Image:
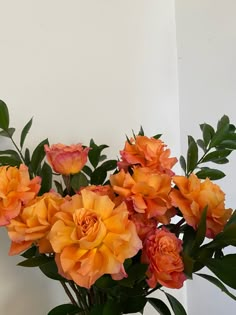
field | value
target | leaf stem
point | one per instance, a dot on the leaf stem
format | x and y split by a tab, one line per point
18	150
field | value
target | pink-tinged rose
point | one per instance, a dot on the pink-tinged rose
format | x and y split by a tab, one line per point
148	191
65	159
92	237
147	152
193	196
162	254
34	222
144	226
16	190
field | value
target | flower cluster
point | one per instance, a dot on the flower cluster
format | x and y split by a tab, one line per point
111	230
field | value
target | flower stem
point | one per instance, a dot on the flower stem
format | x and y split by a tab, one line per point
73	301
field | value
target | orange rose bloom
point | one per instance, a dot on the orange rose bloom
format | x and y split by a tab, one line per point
92	238
148	190
147	152
16	190
34	223
162	252
65	159
193	196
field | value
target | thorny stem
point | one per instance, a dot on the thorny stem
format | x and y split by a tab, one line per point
73	301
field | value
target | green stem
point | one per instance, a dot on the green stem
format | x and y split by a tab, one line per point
66	179
73	301
18	150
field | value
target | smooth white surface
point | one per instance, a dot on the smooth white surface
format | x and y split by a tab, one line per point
84	69
206	38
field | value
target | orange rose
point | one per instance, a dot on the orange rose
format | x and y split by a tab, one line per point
162	253
92	238
147	152
193	196
65	159
34	223
143	225
148	190
16	189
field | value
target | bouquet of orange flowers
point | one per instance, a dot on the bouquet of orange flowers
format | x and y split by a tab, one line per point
113	232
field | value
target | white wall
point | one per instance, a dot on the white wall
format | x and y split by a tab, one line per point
83	69
206	39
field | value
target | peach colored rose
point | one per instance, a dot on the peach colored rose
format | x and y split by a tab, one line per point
34	223
143	225
16	189
193	196
92	238
162	253
148	190
147	152
105	190
66	159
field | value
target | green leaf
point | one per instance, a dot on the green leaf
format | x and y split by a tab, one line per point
217	283
59	187
12	154
134	304
188	264
35	261
201	144
192	155
25	131
46	175
87	170
201	231
224	121
50	270
109	165
219	136
216	155
224	268
97	309
211	173
182	163
27	157
141	131
177	307
135	273
225	238
160	306
95	152
98	176
38	156
65	309
7	160
4	116
232	220
105	282
31	252
158	136
229	144
8	133
111	307
208	132
78	180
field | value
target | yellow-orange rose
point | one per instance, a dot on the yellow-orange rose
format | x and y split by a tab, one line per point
147	152
16	190
34	223
193	196
92	238
162	254
148	190
66	159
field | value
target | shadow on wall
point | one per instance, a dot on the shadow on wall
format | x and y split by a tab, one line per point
24	290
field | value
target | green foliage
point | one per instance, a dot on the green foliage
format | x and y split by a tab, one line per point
4	116
216	145
65	309
177	307
160	306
